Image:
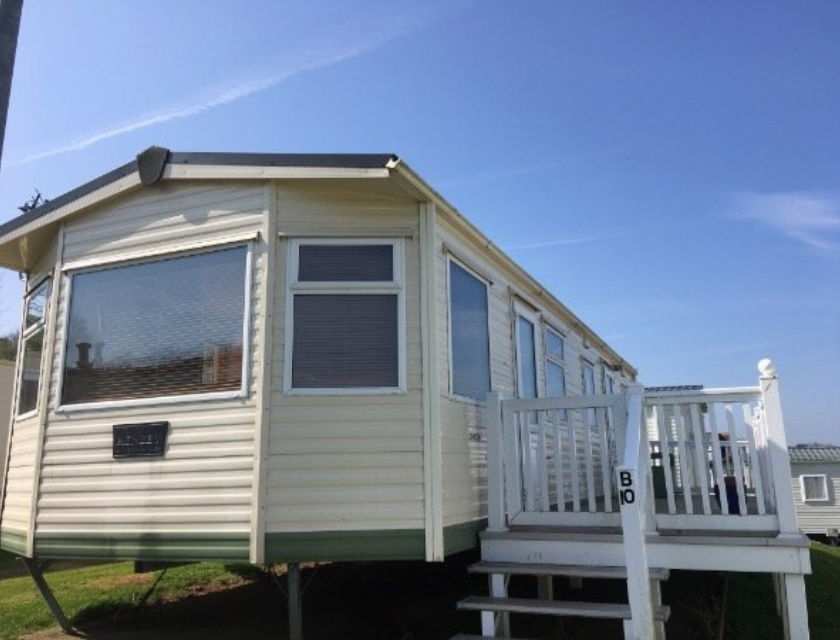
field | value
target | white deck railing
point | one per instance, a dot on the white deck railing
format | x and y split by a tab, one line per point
716	459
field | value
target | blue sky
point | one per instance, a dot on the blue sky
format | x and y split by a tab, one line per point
668	170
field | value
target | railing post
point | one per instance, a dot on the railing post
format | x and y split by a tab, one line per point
777	450
496	517
632	494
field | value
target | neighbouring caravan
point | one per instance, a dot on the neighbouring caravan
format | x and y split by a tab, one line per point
815	472
268	358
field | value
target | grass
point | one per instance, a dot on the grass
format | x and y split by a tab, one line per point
750	610
104	591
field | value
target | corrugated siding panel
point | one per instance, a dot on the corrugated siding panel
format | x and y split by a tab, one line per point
204	482
19	481
463	422
343	463
816	516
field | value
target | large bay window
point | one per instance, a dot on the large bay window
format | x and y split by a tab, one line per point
345	316
32	346
469	333
162	328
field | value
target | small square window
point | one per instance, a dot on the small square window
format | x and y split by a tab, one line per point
554	344
814	487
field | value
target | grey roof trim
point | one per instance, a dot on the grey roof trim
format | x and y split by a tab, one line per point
65	198
314	160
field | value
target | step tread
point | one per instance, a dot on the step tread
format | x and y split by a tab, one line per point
606	610
552	535
466	636
545	569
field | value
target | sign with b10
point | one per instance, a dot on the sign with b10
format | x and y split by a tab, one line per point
626	487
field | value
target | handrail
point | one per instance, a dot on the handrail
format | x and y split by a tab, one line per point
703	392
563	402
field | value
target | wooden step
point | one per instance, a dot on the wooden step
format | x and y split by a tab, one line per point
604	610
578	571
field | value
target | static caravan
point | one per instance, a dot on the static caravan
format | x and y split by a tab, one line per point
288	358
815	472
268	358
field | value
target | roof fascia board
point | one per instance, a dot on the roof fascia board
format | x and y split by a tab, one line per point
417	183
87	200
266	172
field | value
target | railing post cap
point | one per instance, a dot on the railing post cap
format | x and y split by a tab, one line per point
767	368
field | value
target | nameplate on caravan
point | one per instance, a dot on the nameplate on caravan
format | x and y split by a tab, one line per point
140	440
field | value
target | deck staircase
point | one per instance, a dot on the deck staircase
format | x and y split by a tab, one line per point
630	486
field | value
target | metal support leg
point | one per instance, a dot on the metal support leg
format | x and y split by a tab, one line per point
545	587
294	601
656	600
35	570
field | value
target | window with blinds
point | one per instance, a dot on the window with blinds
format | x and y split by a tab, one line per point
168	327
32	344
346	298
469	333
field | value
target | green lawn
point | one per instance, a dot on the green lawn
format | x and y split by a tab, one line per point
750	609
99	591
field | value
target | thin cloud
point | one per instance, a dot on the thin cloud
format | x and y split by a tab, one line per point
563	242
719	351
513	172
809	218
291	64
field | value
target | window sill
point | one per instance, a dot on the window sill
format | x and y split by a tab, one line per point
146	402
26	416
465	400
360	391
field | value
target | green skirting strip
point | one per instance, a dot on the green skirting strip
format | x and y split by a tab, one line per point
13	542
223	547
460	537
355	546
347	546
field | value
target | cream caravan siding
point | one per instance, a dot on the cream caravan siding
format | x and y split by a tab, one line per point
201	488
346	463
817	515
20	478
462	421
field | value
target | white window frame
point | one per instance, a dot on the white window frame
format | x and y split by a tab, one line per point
487	283
820	476
25	334
591	416
295	287
157	256
549	358
533	317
